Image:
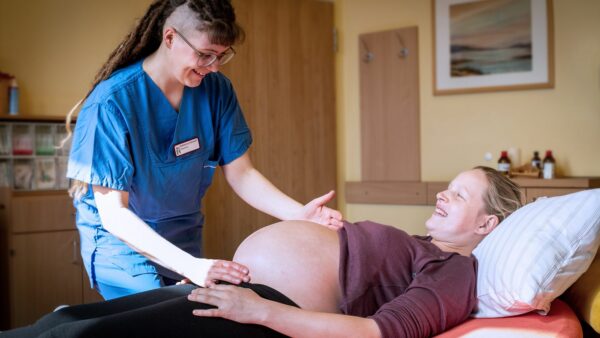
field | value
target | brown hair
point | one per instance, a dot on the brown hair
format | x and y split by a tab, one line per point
503	196
216	18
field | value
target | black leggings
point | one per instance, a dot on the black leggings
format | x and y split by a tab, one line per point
163	312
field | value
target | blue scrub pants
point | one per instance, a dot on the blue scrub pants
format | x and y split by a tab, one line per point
114	282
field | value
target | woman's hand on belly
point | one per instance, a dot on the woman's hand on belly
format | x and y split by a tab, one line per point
234	303
227	271
245	306
205	272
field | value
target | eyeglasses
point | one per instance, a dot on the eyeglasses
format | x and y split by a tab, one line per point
207	59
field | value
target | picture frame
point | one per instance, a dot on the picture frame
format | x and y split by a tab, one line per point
492	45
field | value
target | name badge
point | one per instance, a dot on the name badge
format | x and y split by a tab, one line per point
186	147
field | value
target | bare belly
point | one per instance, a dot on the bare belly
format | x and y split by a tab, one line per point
299	259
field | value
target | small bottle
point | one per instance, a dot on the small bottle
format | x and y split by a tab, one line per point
13	97
504	163
549	165
536	161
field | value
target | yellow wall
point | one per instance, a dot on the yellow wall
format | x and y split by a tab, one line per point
456	130
56	47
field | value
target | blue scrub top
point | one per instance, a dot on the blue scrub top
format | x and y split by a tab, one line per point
126	138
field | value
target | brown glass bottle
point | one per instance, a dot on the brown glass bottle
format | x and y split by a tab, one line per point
504	163
549	165
536	162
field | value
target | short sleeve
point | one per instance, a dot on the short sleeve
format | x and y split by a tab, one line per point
100	151
233	136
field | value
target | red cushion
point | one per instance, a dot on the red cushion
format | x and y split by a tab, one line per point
561	322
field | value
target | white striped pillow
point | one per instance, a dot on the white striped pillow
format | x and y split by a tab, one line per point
536	253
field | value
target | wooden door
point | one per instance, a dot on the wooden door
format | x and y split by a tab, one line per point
45	271
284	78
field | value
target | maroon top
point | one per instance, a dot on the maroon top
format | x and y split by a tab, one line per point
405	283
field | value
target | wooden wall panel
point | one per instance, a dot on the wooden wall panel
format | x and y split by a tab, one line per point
389	106
407	193
284	78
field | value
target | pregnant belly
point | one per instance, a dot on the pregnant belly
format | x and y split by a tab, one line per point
299	259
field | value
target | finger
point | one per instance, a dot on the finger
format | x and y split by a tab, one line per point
229	270
322	200
195	290
217	290
336	215
223	270
222	287
212	291
207	313
336	223
183	281
334	227
233	265
229	275
205	298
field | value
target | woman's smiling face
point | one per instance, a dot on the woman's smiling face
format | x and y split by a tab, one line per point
460	209
185	56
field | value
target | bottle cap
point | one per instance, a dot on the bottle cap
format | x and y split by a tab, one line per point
504	153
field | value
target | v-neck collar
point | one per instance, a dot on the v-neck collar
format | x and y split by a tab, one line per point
163	97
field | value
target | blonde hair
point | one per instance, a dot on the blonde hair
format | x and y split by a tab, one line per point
503	196
77	188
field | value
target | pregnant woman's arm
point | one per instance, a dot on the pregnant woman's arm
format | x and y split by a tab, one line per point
244	306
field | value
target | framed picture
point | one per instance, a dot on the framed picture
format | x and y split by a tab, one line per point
491	45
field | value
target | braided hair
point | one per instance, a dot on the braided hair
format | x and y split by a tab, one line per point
216	18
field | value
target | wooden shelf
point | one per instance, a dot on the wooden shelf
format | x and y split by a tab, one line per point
394	192
563	182
27	118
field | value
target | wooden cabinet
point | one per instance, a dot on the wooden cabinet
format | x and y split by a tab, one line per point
533	188
45	271
40	262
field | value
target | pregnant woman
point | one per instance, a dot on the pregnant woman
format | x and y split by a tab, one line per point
364	280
